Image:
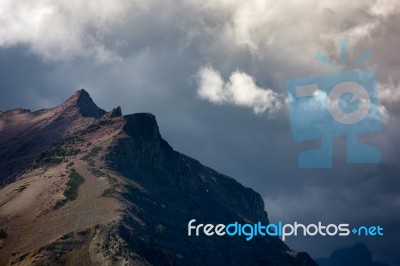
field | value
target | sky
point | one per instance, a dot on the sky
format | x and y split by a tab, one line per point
214	73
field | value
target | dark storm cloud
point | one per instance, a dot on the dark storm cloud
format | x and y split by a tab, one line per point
145	55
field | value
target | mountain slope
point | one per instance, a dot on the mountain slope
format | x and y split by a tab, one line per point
107	189
25	134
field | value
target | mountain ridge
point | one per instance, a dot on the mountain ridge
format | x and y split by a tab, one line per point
134	200
26	134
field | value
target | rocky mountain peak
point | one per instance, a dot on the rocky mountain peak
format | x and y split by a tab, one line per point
80	96
25	134
84	103
115	112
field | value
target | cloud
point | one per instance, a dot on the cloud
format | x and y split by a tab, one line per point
61	30
240	90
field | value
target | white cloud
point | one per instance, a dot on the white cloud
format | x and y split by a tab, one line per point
60	30
240	90
389	92
64	29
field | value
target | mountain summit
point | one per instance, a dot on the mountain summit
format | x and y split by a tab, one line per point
84	103
25	134
86	187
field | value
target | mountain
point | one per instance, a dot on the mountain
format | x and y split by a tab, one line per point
85	187
356	255
25	134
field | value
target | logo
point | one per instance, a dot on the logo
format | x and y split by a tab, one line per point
249	231
340	104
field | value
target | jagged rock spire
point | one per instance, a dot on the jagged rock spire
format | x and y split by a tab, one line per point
84	103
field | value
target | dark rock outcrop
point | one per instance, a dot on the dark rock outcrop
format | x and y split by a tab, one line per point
116	112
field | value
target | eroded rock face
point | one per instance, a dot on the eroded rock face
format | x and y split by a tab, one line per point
134	205
116	112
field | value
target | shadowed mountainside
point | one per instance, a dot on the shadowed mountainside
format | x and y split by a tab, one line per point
86	187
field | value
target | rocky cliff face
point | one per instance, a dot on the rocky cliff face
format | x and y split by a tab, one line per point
107	189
